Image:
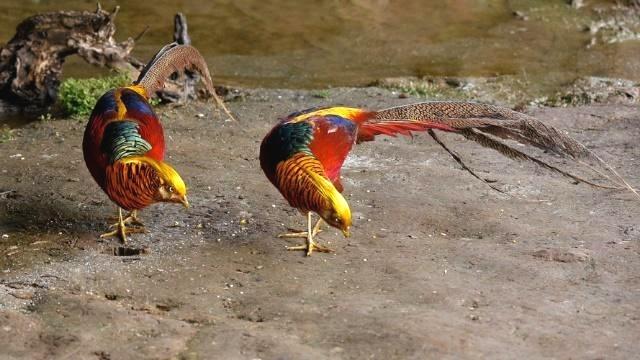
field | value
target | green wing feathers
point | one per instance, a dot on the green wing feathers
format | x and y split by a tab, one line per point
122	139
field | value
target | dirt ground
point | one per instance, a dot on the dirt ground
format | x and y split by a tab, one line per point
438	265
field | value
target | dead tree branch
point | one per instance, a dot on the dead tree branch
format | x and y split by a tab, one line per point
31	63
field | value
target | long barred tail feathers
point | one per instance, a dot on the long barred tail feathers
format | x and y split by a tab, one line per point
489	125
174	58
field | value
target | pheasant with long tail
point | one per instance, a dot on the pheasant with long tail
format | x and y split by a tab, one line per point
124	144
303	154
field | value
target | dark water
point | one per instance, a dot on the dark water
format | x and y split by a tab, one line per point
314	44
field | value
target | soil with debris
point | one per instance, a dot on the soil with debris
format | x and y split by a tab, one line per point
438	264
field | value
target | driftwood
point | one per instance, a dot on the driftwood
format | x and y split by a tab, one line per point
31	63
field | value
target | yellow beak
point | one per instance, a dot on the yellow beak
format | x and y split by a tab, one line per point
346	232
184	201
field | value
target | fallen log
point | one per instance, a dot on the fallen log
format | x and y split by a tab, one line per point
31	62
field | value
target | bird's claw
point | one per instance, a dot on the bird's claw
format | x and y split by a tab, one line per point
298	234
134	223
131	219
121	231
310	247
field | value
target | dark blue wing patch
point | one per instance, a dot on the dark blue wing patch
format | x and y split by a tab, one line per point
106	103
134	102
339	121
122	139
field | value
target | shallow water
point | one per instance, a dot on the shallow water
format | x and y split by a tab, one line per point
354	42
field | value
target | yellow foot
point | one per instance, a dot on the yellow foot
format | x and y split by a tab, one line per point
122	230
309	247
298	234
131	219
303	234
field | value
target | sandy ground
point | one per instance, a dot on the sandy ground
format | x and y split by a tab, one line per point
438	265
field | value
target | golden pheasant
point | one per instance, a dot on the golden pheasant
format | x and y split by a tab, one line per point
303	154
124	145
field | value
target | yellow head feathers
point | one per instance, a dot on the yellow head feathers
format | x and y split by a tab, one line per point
345	112
338	213
172	187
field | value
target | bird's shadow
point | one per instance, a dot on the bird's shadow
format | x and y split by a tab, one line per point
42	213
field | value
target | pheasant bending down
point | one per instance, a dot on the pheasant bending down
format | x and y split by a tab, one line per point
124	145
303	154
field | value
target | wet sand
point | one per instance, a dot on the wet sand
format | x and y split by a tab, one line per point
438	264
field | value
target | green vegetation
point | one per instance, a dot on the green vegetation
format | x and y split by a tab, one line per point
321	94
434	89
77	97
6	133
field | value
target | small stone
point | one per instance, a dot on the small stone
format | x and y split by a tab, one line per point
22	294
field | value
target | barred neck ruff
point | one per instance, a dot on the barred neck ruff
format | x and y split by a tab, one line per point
168	174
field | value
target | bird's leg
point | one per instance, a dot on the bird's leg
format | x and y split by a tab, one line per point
121	230
316	228
311	245
132	219
303	234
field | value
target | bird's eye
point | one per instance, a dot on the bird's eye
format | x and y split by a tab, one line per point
170	189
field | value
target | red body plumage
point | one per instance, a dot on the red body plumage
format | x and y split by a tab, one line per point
122	104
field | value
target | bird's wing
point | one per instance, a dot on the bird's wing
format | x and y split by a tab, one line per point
326	133
333	138
290	157
122	139
489	125
175	58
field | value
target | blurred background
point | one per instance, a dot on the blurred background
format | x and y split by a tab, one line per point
299	44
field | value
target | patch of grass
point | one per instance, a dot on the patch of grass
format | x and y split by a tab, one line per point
6	134
321	94
77	97
427	89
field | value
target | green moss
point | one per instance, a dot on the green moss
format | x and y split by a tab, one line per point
77	97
